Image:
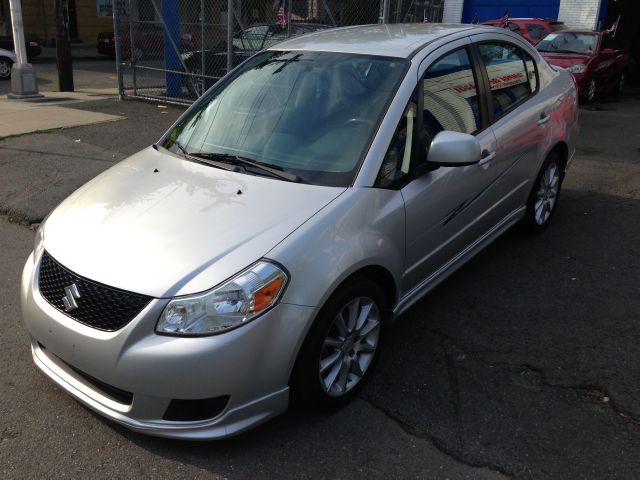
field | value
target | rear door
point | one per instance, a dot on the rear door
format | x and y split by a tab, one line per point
520	117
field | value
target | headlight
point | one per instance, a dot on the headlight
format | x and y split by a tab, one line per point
234	303
577	68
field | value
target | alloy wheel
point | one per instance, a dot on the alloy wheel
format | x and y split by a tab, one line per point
5	69
349	346
547	193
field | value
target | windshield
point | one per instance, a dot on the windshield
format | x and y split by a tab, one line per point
569	42
311	114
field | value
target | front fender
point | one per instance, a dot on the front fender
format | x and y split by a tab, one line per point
363	227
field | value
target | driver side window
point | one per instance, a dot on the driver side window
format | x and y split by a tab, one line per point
451	95
449	102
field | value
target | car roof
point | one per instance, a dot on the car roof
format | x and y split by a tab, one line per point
390	40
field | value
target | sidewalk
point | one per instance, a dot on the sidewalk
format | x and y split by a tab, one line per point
18	117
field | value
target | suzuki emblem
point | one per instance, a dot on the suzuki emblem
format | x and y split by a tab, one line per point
69	300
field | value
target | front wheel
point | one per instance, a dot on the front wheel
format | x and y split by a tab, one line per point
5	68
543	200
341	347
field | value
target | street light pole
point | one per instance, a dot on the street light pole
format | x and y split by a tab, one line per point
23	78
63	47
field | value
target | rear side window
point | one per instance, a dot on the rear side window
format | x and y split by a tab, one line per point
513	27
451	95
508	74
536	31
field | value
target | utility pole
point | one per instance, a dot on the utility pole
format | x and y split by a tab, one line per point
385	11
23	78
63	47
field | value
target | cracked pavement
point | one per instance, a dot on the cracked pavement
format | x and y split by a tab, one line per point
524	363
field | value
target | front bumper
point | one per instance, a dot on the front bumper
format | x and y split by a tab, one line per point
249	365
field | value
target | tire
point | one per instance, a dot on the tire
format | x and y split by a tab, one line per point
545	194
343	354
5	68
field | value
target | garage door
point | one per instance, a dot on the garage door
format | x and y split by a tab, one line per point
490	9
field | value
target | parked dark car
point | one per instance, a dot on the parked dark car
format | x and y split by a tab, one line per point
148	42
33	49
593	58
245	43
532	29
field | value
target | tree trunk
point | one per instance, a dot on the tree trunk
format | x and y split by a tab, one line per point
63	47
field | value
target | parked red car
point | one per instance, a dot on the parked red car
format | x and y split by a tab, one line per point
148	42
596	62
533	29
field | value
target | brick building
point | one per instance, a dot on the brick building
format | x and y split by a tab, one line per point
86	19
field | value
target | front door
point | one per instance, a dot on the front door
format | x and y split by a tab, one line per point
446	208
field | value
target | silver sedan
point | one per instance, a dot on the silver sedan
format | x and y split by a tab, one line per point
256	254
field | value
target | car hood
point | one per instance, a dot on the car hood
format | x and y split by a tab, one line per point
565	60
162	226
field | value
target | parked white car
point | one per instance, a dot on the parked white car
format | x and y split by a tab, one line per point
7	59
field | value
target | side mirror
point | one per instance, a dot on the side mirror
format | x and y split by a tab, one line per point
454	149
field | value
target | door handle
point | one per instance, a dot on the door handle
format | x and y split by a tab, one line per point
486	157
544	119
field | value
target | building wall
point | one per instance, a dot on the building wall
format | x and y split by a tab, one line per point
575	13
38	17
40	21
89	24
579	13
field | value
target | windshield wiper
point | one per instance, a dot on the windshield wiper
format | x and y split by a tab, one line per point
204	160
178	144
273	170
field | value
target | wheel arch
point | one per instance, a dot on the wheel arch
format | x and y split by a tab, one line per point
562	149
377	274
373	272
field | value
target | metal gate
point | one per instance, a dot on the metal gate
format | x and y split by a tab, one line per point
174	50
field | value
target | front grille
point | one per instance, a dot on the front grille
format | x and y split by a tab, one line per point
98	306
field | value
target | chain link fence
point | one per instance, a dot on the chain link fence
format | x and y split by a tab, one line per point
174	50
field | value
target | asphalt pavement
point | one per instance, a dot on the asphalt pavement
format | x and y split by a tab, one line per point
524	363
